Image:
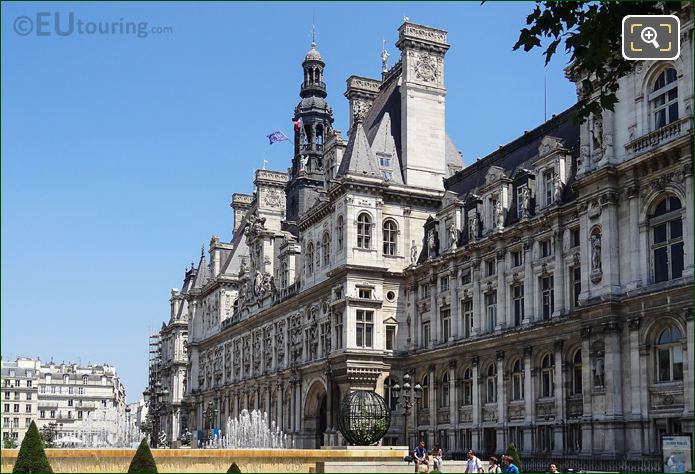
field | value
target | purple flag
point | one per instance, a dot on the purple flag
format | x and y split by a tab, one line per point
277	136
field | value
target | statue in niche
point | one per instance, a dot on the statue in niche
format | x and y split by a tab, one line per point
596	252
413	253
303	161
473	227
453	235
525	202
431	243
557	188
597	136
599	370
258	284
499	215
244	266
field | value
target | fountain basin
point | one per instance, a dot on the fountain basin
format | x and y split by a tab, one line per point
216	460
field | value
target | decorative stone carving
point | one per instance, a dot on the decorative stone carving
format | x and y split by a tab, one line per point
413	253
596	272
598	370
558	186
597	136
431	244
426	68
473	227
272	198
499	216
453	236
525	202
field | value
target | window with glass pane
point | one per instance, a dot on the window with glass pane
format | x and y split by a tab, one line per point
326	248
339	232
576	273
310	258
390	234
517	258
467	308
517	381
547	379
491	385
664	98
491	310
390	337
446	324
667	239
425	400
467	387
577	373
445	390
548	185
425	334
669	355
547	294
518	300
364	328
444	283
364	231
339	330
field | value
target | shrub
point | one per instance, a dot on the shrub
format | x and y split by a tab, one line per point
233	469
143	462
32	457
514	453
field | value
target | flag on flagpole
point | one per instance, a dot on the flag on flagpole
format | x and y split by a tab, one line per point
277	136
297	124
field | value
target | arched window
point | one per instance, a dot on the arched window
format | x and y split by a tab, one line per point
547	376
326	248
364	231
235	307
66	378
339	230
669	355
445	391
467	388
390	235
577	373
666	225
663	98
491	384
425	392
517	381
84	379
310	258
318	254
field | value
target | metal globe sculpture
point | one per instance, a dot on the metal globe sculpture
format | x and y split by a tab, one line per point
363	418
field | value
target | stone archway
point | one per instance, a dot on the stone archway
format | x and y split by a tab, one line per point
315	415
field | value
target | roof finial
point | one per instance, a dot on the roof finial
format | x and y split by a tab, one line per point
384	57
313	30
202	251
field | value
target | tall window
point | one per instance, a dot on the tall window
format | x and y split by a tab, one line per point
548	186
390	337
84	380
66	378
517	258
444	283
518	300
547	376
517	381
326	248
547	296
664	98
338	330
576	273
491	385
467	308
546	249
390	235
426	335
318	255
467	388
490	267
425	401
520	200
339	228
445	391
389	383
364	231
310	258
577	373
669	355
364	329
667	239
446	324
491	310
284	274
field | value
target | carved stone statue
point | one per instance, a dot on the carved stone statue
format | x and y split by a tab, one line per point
453	235
258	284
431	244
599	370
597	136
596	252
473	227
303	161
413	253
557	189
244	268
499	215
525	202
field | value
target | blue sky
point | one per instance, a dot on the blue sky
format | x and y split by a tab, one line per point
120	154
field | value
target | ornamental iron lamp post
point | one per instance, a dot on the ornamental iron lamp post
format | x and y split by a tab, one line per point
155	398
406	397
210	416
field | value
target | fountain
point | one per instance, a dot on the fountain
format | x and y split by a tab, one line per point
249	430
103	428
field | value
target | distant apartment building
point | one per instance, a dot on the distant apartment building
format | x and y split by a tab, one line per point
63	394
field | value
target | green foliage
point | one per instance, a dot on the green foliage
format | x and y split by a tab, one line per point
8	443
514	453
48	435
143	462
233	469
32	457
591	32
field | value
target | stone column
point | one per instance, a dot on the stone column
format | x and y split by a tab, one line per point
635	255
279	421
435	329
614	388
634	428
501	401
529	287
478	311
475	431
688	364
558	277
298	406
434	405
560	398
587	434
610	245
453	396
502	313
688	244
456	325
529	401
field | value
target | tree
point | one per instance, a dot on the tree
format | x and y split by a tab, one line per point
513	452
48	434
32	457
591	32
233	469
143	462
8	443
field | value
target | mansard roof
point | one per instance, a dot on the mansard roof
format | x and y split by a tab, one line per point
359	158
518	154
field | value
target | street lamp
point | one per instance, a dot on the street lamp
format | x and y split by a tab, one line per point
155	399
210	416
408	396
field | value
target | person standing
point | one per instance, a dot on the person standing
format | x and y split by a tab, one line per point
473	464
494	465
509	465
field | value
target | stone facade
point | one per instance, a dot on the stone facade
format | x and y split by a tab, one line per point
540	296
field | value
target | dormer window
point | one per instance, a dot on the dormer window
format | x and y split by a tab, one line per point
548	187
664	98
364	293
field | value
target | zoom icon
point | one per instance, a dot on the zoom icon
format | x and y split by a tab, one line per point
654	37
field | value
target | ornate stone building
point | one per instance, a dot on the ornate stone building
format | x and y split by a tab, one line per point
541	295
